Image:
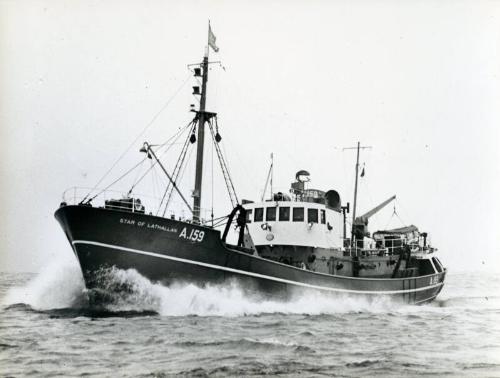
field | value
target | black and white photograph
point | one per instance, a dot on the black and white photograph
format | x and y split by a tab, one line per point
249	188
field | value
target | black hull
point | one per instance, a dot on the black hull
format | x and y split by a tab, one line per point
167	251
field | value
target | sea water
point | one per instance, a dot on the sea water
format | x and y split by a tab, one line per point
48	328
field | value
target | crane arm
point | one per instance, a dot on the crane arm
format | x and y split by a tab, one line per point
364	218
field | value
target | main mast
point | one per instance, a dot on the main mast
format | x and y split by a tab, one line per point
355	197
201	142
357	148
203	117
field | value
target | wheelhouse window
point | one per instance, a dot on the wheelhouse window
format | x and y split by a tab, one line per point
323	217
437	264
439	261
425	267
258	215
249	216
270	214
298	214
312	215
284	214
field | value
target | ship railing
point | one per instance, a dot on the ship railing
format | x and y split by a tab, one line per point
356	251
139	202
111	199
386	250
414	248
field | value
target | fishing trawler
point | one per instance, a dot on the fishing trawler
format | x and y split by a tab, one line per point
288	242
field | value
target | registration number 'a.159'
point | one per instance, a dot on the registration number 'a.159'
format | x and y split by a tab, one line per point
434	280
194	234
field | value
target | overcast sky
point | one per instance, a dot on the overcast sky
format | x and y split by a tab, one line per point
416	80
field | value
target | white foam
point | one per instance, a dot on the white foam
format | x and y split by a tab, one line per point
60	285
57	285
226	300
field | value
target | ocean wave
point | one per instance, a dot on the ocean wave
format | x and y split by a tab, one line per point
7	346
256	368
363	363
248	343
475	302
57	285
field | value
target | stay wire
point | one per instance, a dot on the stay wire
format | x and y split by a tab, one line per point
224	158
219	156
397	215
154	181
118	179
170	182
179	179
225	171
179	133
177	169
138	173
148	125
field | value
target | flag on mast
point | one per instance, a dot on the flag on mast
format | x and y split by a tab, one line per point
211	39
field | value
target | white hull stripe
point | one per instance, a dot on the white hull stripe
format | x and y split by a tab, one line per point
252	274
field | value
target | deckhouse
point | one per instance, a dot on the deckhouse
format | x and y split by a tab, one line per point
299	226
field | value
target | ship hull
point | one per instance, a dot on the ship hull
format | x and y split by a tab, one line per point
168	251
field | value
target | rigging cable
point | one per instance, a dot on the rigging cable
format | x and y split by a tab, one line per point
212	174
394	213
138	136
175	173
225	171
172	180
154	181
130	170
138	173
179	179
226	165
114	182
176	136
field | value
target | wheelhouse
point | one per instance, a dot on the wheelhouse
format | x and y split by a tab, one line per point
304	218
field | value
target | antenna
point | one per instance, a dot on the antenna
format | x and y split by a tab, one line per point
272	173
358	148
269	178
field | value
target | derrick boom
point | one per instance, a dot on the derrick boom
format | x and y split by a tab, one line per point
363	219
